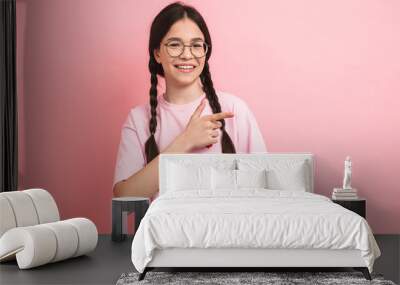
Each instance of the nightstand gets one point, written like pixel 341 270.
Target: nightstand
pixel 121 208
pixel 358 206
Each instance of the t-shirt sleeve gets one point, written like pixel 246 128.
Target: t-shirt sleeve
pixel 130 157
pixel 250 138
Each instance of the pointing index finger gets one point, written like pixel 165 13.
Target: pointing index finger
pixel 220 116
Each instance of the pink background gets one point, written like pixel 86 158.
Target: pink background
pixel 320 76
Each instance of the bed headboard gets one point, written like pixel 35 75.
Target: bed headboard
pixel 232 158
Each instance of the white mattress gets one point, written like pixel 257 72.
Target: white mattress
pixel 250 218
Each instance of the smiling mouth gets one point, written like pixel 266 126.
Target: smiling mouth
pixel 185 68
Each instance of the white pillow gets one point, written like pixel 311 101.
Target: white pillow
pixel 229 179
pixel 282 174
pixel 294 179
pixel 188 177
pixel 223 179
pixel 251 178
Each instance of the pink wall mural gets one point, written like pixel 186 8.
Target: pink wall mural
pixel 320 77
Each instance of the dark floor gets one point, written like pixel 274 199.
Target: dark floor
pixel 111 259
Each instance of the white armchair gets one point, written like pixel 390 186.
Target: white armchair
pixel 31 231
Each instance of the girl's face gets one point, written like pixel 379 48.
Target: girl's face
pixel 185 68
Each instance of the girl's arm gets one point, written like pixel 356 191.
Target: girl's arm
pixel 200 132
pixel 143 182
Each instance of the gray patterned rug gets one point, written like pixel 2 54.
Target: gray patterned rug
pixel 269 278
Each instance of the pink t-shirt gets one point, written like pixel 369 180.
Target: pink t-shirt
pixel 172 120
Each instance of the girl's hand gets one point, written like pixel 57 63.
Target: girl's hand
pixel 203 131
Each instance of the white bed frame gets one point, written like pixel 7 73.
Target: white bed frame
pixel 250 257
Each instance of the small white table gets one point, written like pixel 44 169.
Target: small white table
pixel 121 208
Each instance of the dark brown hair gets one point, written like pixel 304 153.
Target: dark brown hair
pixel 159 28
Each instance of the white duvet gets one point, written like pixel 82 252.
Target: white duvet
pixel 250 218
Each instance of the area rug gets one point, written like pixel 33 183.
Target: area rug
pixel 269 278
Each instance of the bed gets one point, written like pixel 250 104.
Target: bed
pixel 247 210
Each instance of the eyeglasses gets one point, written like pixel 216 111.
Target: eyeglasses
pixel 175 48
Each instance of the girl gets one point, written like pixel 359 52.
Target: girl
pixel 187 117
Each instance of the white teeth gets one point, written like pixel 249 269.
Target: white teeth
pixel 185 66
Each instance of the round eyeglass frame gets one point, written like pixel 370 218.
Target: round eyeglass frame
pixel 190 48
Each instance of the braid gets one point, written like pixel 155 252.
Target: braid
pixel 151 148
pixel 208 87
